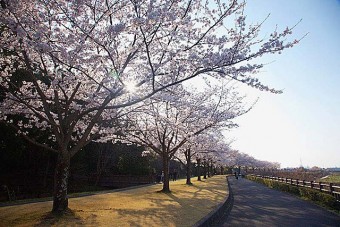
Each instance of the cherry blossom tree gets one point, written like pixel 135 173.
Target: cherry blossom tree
pixel 172 118
pixel 234 158
pixel 209 144
pixel 80 63
pixel 222 101
pixel 215 153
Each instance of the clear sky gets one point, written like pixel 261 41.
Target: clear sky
pixel 303 123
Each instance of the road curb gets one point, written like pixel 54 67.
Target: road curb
pixel 220 213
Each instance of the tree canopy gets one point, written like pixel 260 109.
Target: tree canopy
pixel 81 63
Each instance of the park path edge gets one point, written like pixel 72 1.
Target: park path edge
pixel 220 213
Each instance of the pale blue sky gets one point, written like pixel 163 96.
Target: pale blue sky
pixel 303 122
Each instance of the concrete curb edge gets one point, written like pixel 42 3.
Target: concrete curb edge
pixel 220 213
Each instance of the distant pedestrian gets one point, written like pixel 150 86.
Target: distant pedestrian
pixel 236 175
pixel 162 177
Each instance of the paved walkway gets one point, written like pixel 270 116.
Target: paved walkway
pixel 258 205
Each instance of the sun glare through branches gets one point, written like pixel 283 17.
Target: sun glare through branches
pixel 130 86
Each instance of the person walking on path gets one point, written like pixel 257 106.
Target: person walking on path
pixel 162 177
pixel 257 205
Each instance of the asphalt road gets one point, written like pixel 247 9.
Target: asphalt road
pixel 258 205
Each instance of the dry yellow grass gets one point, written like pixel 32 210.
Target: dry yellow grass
pixel 143 206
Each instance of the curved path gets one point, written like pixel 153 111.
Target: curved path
pixel 258 205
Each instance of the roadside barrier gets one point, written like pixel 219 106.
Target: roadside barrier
pixel 330 188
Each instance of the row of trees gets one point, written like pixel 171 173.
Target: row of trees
pixel 27 172
pixel 105 70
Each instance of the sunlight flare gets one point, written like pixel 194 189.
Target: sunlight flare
pixel 131 86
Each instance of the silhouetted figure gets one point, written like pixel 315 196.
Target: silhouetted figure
pixel 236 176
pixel 162 177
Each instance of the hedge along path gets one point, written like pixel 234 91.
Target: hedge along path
pixel 143 206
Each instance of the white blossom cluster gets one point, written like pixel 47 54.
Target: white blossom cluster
pixel 69 66
pixel 172 122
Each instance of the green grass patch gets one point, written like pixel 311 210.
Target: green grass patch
pixel 334 178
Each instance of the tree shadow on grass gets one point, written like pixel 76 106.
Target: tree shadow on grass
pixel 150 216
pixel 164 212
pixel 215 192
pixel 178 208
pixel 69 216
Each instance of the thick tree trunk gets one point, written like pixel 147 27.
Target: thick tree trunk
pixel 198 160
pixel 166 186
pixel 204 170
pixel 188 166
pixel 208 169
pixel 60 199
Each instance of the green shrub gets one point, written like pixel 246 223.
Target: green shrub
pixel 309 194
pixel 260 180
pixel 329 201
pixel 320 197
pixel 294 190
pixel 276 185
pixel 284 187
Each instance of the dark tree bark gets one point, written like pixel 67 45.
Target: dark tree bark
pixel 204 169
pixel 222 170
pixel 166 186
pixel 208 170
pixel 60 198
pixel 3 4
pixel 211 168
pixel 188 166
pixel 198 160
pixel 208 167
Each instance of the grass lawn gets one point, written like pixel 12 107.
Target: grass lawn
pixel 334 178
pixel 143 206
